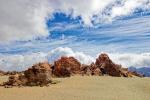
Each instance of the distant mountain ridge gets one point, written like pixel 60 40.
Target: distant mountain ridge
pixel 143 70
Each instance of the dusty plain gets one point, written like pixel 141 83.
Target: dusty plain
pixel 82 88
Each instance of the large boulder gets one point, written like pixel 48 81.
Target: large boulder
pixel 66 66
pixel 107 66
pixel 38 74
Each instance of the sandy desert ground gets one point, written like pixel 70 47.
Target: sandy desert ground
pixel 83 88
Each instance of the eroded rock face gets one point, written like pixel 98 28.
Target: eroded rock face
pixel 38 74
pixel 85 70
pixel 41 73
pixel 66 66
pixel 90 70
pixel 108 67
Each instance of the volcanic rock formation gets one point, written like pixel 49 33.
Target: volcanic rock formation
pixel 66 66
pixel 38 74
pixel 41 73
pixel 90 70
pixel 108 67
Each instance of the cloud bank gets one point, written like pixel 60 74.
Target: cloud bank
pixel 58 52
pixel 26 19
pixel 22 20
pixel 22 62
pixel 132 60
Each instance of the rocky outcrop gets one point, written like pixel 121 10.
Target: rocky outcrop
pixel 38 74
pixel 90 70
pixel 105 64
pixel 66 66
pixel 41 73
pixel 85 70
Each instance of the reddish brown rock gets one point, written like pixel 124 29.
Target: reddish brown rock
pixel 66 66
pixel 97 72
pixel 90 70
pixel 85 70
pixel 38 74
pixel 107 66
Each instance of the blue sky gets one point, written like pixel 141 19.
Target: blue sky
pixel 74 28
pixel 126 34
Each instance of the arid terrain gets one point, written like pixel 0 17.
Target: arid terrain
pixel 82 88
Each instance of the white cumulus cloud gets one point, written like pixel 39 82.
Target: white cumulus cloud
pixel 131 59
pixel 21 62
pixel 23 19
pixel 26 19
pixel 58 52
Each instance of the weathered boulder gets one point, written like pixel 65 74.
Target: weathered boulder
pixel 66 66
pixel 107 66
pixel 90 70
pixel 85 69
pixel 38 74
pixel 95 70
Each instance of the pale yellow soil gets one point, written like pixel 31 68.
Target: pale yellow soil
pixel 83 88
